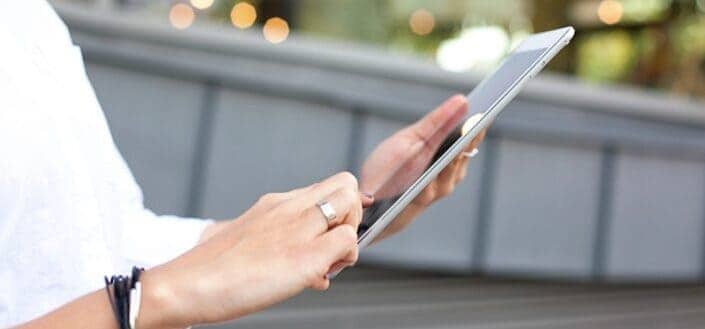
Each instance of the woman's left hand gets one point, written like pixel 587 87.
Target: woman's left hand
pixel 414 146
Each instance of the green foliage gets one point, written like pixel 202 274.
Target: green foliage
pixel 606 57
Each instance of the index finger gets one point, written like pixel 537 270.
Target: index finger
pixel 320 190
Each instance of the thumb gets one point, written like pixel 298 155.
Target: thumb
pixel 443 119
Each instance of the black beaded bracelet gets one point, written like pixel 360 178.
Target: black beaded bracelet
pixel 121 292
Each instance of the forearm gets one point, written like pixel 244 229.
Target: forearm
pixel 93 311
pixel 90 311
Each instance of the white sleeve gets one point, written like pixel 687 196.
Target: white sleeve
pixel 149 239
pixel 142 237
pixel 146 239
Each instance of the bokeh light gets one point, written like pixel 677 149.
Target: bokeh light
pixel 610 12
pixel 243 15
pixel 476 48
pixel 421 22
pixel 202 4
pixel 606 57
pixel 181 16
pixel 664 49
pixel 275 30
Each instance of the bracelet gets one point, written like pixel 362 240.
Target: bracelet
pixel 125 294
pixel 135 296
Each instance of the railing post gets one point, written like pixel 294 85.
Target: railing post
pixel 600 245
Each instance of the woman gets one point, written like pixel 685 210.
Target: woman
pixel 71 212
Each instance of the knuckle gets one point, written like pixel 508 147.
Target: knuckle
pixel 321 285
pixel 319 273
pixel 313 270
pixel 351 196
pixel 447 190
pixel 348 234
pixel 348 179
pixel 356 216
pixel 297 212
pixel 290 209
pixel 357 219
pixel 266 198
pixel 428 195
pixel 355 254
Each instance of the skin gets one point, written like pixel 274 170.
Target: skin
pixel 414 146
pixel 280 246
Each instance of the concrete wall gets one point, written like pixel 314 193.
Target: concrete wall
pixel 574 181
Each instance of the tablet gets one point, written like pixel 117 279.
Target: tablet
pixel 489 98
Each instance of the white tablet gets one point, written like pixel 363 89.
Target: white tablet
pixel 489 98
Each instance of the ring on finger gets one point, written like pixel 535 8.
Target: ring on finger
pixel 327 210
pixel 471 154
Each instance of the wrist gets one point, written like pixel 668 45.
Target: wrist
pixel 161 302
pixel 212 229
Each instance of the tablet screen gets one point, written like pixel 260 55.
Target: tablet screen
pixel 482 99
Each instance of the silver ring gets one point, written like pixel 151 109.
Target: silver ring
pixel 327 210
pixel 471 154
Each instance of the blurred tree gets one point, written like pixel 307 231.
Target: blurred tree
pixel 652 43
pixel 361 20
pixel 606 56
pixel 552 14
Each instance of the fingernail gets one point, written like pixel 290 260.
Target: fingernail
pixel 367 200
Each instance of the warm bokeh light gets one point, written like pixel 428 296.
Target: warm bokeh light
pixel 276 30
pixel 421 22
pixel 476 48
pixel 202 4
pixel 181 16
pixel 243 15
pixel 610 12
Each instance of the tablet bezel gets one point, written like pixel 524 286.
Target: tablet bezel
pixel 553 41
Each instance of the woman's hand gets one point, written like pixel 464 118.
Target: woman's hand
pixel 441 187
pixel 414 147
pixel 277 248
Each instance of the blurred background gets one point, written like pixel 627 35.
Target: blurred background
pixel 656 44
pixel 585 207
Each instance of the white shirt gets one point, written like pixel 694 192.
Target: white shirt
pixel 70 210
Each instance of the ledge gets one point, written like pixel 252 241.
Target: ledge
pixel 358 59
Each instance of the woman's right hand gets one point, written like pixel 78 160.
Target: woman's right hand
pixel 277 248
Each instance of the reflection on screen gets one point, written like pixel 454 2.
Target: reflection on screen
pixel 481 99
